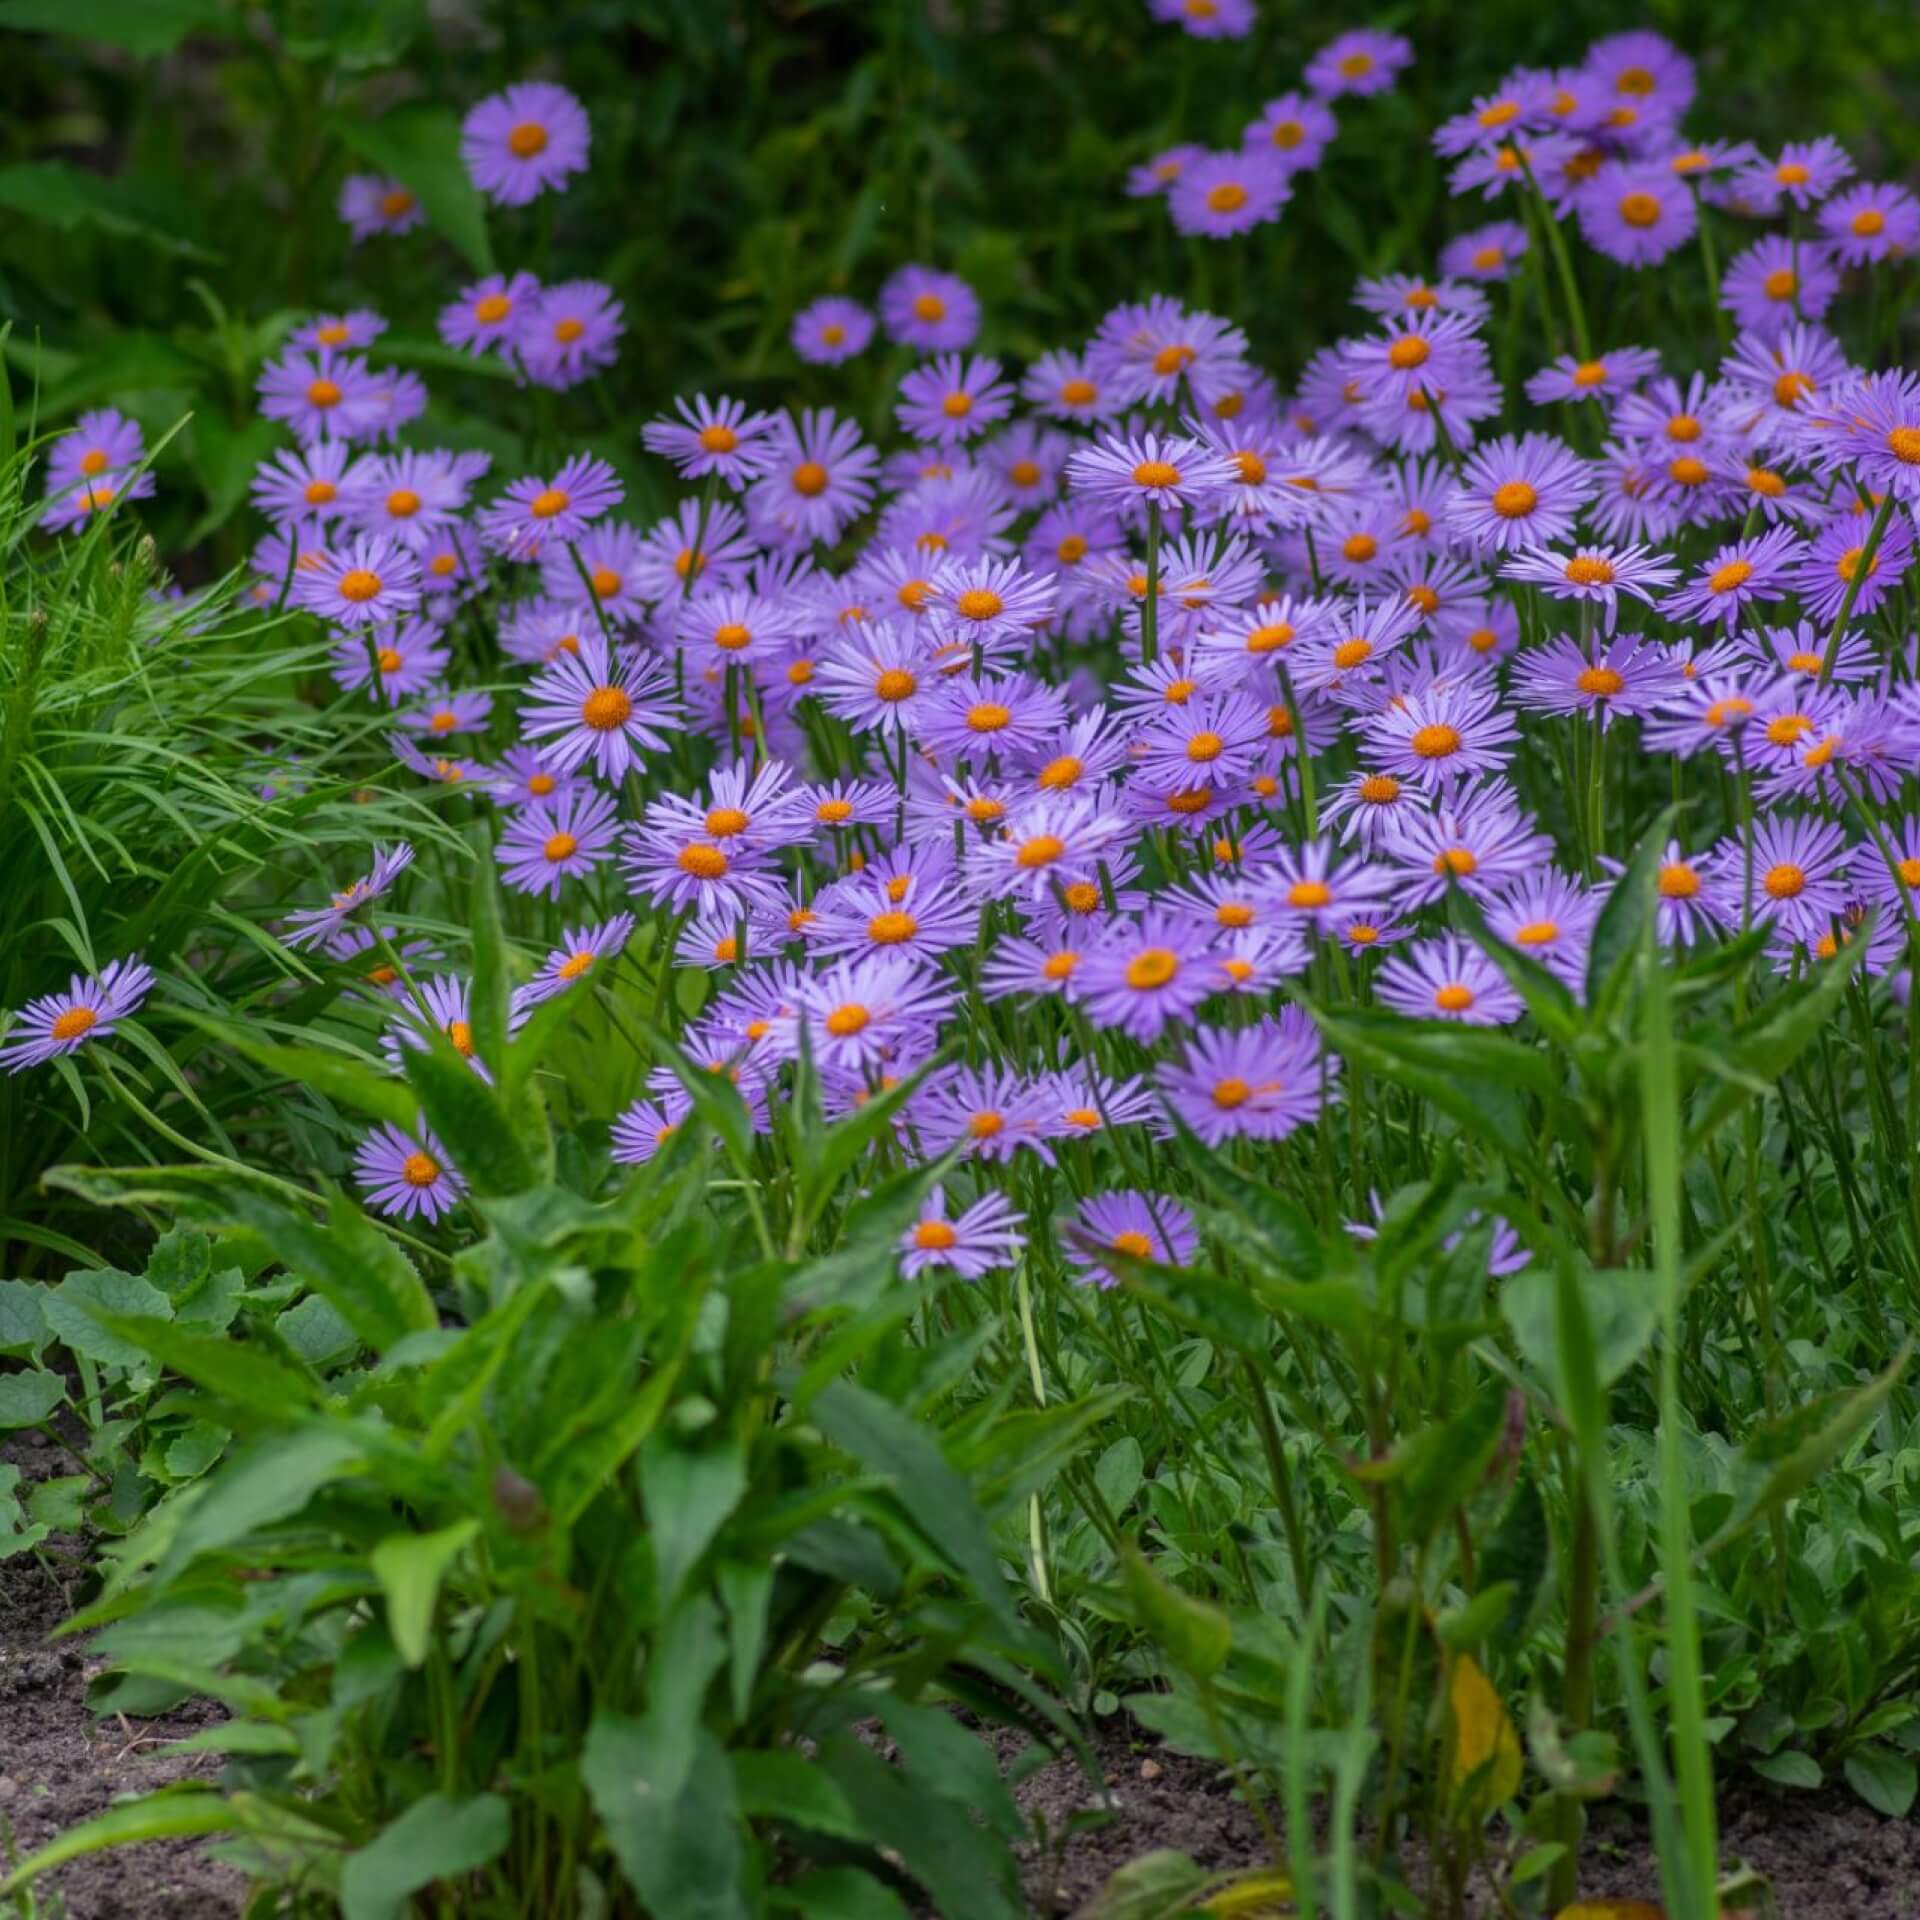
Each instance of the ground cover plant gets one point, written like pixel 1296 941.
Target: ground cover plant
pixel 731 1105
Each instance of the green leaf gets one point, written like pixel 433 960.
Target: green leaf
pixel 143 28
pixel 1517 1556
pixel 235 1372
pixel 678 1840
pixel 935 1497
pixel 690 1491
pixel 1884 1779
pixel 23 1327
pixel 1451 1459
pixel 68 199
pixel 266 1480
pixel 1269 1229
pixel 1118 1474
pixel 316 1332
pixel 783 1785
pixel 469 1117
pixel 28 1398
pixel 74 1309
pixel 837 1893
pixel 166 1815
pixel 348 1262
pixel 1193 1634
pixel 1623 919
pixel 1622 1310
pixel 437 1838
pixel 420 147
pixel 1552 1006
pixel 350 1079
pixel 410 1568
pixel 1157 1886
pixel 1790 1769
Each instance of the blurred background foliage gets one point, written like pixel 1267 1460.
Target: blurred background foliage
pixel 169 172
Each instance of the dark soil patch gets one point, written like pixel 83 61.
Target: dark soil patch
pixel 1828 1857
pixel 60 1765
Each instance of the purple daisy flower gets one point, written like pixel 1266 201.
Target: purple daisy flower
pixel 569 332
pixel 1549 917
pixel 877 677
pixel 1141 977
pixel 408 495
pixel 1364 61
pixel 1828 568
pixel 1642 66
pixel 1605 679
pixel 448 1009
pixel 1876 428
pixel 373 582
pixel 871 914
pixel 313 925
pixel 533 512
pixel 1800 876
pixel 580 952
pixel 1147 351
pixel 1481 839
pixel 1870 223
pixel 1736 579
pixel 1058 840
pixel 862 1011
pixel 1140 1226
pixel 402 661
pixel 563 838
pixel 370 203
pixel 77 506
pixel 588 706
pixel 1521 492
pixel 831 330
pixel 404 1176
pixel 1806 172
pixel 952 399
pixel 1599 574
pixel 1636 214
pixel 61 1023
pixel 928 310
pixel 361 328
pixel 1170 471
pixel 1222 194
pixel 647 1126
pixel 100 442
pixel 488 316
pixel 1062 385
pixel 1605 377
pixel 1157 175
pixel 1802 650
pixel 986 1235
pixel 1207 19
pixel 1448 979
pixel 1774 283
pixel 322 396
pixel 1487 253
pixel 709 438
pixel 1296 129
pixel 989 1112
pixel 1255 1083
pixel 1434 739
pixel 613 563
pixel 523 142
pixel 819 481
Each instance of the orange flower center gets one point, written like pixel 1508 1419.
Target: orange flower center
pixel 1309 894
pixel 810 478
pixel 1514 500
pixel 1786 881
pixel 548 502
pixel 1408 352
pixel 606 708
pixel 1059 773
pixel 1040 851
pixel 1453 999
pixel 359 585
pixel 896 684
pixel 492 309
pixel 718 438
pixel 323 393
pixel 560 846
pixel 1602 682
pixel 419 1170
pixel 1590 373
pixel 1152 967
pixel 1078 393
pixel 701 861
pixel 1228 197
pixel 1678 881
pixel 1780 284
pixel 1156 473
pixel 929 307
pixel 979 603
pixel 1589 570
pixel 403 503
pixel 1639 209
pixel 75 1021
pixel 1435 742
pixel 396 202
pixel 935 1236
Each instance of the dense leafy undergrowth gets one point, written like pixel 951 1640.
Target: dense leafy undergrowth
pixel 1098 1030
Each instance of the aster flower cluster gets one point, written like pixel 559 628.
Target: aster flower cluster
pixel 1031 758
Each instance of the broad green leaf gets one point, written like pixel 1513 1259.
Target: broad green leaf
pixel 1517 1557
pixel 1883 1778
pixel 437 1838
pixel 315 1330
pixel 268 1479
pixel 420 147
pixel 891 1444
pixel 347 1078
pixel 1791 1768
pixel 1157 1886
pixel 1270 1229
pixel 410 1568
pixel 68 199
pixel 1118 1474
pixel 1193 1634
pixel 143 28
pixel 1454 1458
pixel 28 1398
pixel 75 1309
pixel 23 1327
pixel 1622 1309
pixel 237 1373
pixel 837 1893
pixel 691 1491
pixel 783 1785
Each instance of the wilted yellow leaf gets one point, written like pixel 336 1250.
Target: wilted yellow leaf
pixel 1483 1736
pixel 1251 1896
pixel 1611 1910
